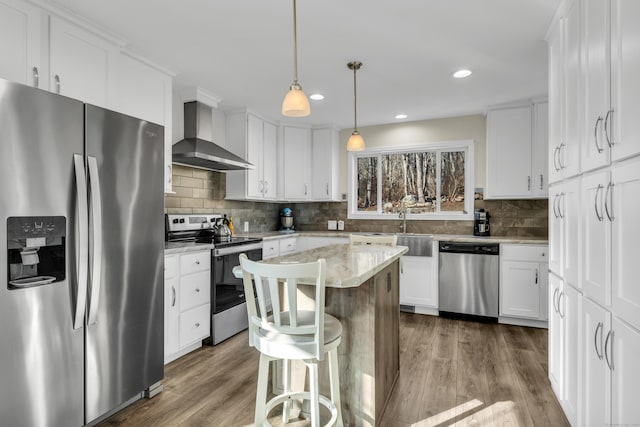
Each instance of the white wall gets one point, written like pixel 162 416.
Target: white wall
pixel 425 131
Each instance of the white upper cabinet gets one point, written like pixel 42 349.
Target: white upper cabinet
pixel 516 152
pixel 255 140
pixel 296 154
pixel 324 168
pixel 20 43
pixel 509 152
pixel 595 53
pixel 612 84
pixel 539 175
pixel 564 95
pixel 625 78
pixel 82 64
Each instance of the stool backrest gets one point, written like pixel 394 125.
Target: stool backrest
pixel 282 281
pixel 372 240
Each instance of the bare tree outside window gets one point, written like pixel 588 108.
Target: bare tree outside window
pixel 452 181
pixel 409 181
pixel 368 184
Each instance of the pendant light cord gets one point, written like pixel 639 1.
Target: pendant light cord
pixel 355 108
pixel 295 44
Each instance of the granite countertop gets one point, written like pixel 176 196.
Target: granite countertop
pixel 184 247
pixel 438 237
pixel 347 266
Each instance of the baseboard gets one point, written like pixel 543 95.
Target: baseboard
pixel 523 322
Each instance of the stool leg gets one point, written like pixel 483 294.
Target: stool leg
pixel 261 392
pixel 313 388
pixel 286 382
pixel 334 381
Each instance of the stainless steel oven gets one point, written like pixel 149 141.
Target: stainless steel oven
pixel 228 305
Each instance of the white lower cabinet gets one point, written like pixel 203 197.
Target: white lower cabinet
pixel 570 306
pixel 187 302
pixel 556 337
pixel 624 352
pixel 523 282
pixel 419 282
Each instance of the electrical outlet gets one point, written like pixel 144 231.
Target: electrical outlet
pixel 332 225
pixel 246 226
pixel 341 225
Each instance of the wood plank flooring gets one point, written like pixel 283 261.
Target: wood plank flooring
pixel 452 372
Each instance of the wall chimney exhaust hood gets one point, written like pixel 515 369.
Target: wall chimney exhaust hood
pixel 197 148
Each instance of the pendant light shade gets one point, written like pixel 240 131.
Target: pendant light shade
pixel 296 103
pixel 356 142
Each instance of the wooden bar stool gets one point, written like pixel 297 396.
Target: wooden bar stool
pixel 291 334
pixel 355 239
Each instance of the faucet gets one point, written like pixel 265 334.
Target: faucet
pixel 403 216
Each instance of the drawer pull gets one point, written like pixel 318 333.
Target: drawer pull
pixel 197 325
pixel 197 289
pixel 197 262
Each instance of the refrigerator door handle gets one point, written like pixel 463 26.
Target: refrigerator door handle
pixel 96 253
pixel 83 240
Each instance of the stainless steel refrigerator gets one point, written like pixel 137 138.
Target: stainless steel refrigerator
pixel 81 262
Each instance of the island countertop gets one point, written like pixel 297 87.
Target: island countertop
pixel 347 266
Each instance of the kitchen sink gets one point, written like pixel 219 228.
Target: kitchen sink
pixel 418 244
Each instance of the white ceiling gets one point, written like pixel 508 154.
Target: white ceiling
pixel 242 51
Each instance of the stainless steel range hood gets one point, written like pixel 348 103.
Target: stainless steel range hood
pixel 197 148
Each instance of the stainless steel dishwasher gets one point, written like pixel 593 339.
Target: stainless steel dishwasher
pixel 468 279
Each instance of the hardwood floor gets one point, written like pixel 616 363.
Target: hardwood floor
pixel 452 372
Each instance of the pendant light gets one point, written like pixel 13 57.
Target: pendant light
pixel 356 142
pixel 296 103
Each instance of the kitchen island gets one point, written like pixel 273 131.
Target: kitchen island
pixel 363 293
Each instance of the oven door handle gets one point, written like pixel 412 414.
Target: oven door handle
pixel 238 249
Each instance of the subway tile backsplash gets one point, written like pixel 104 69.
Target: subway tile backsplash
pixel 200 191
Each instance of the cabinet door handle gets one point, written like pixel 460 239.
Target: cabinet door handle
pixel 606 127
pixel 305 189
pixel 595 203
pixel 56 79
pixel 197 289
pixel 541 182
pixel 606 202
pixel 266 187
pixel 401 267
pixel 261 187
pixel 595 134
pixel 170 174
pixel 555 307
pixel 197 324
pixel 529 183
pixel 555 159
pixel 36 77
pixel 197 262
pixel 560 150
pixel 560 296
pixel 173 296
pixel 560 204
pixel 555 205
pixel 536 276
pixel 606 353
pixel 595 339
pixel 327 189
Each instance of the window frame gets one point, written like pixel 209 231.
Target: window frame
pixel 467 146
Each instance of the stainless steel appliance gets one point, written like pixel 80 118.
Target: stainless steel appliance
pixel 481 223
pixel 228 304
pixel 468 279
pixel 81 266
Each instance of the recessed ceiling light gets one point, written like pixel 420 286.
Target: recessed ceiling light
pixel 401 116
pixel 461 74
pixel 317 96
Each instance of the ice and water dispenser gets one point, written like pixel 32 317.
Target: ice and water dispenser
pixel 35 250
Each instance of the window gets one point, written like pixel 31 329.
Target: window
pixel 430 181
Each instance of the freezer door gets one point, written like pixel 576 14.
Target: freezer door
pixel 41 354
pixel 124 345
